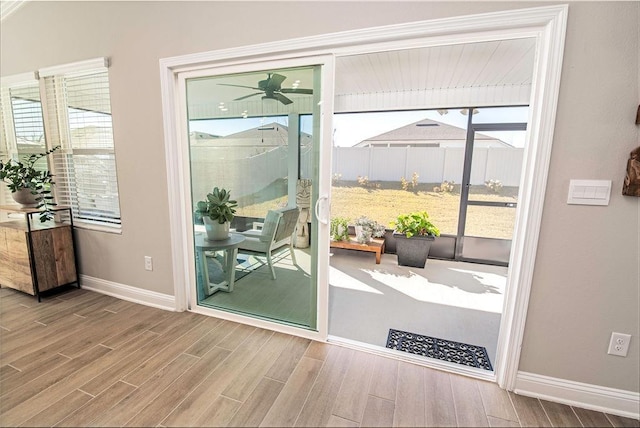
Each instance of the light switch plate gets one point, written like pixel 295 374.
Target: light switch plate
pixel 589 192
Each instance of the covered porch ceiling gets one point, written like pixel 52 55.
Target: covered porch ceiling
pixel 462 75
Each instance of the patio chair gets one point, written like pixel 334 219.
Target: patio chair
pixel 274 233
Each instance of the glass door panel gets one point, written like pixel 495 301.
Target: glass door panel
pixel 377 173
pixel 494 165
pixel 490 221
pixel 247 136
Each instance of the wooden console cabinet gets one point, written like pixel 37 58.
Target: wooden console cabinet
pixel 36 257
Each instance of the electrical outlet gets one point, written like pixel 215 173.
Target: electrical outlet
pixel 619 344
pixel 148 263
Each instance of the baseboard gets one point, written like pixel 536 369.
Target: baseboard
pixel 600 398
pixel 129 293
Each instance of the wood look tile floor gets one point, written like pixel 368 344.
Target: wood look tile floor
pixel 85 359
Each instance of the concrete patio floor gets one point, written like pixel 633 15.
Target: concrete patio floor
pixel 450 300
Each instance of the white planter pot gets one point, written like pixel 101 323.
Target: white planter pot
pixel 216 231
pixel 25 198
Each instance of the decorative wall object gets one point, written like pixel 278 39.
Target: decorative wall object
pixel 631 186
pixel 303 200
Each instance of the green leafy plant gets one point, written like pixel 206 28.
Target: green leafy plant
pixel 218 206
pixel 22 175
pixel 415 224
pixel 339 229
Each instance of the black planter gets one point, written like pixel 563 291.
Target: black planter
pixel 413 251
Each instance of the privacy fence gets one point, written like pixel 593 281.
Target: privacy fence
pixel 432 164
pixel 243 170
pixel 247 172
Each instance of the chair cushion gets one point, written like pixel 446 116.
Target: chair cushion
pixel 253 243
pixel 254 233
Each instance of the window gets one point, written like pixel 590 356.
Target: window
pixel 76 109
pixel 21 123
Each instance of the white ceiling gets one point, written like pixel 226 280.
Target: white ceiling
pixel 498 63
pixel 473 74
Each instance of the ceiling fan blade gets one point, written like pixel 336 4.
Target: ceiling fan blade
pixel 239 86
pixel 296 91
pixel 284 100
pixel 247 96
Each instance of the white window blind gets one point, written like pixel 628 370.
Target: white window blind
pixel 78 111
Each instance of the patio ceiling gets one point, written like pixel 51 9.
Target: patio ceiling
pixel 473 74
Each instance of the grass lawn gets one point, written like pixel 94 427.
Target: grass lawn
pixel 383 201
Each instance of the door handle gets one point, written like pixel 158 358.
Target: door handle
pixel 320 218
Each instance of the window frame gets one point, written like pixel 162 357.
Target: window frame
pixel 56 123
pixel 8 142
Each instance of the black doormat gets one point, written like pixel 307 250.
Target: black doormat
pixel 445 350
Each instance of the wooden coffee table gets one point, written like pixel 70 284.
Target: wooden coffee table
pixel 375 246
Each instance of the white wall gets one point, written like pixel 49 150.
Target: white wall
pixel 586 276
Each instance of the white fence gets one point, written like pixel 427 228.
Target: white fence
pixel 241 169
pixel 432 164
pixel 246 174
pixel 212 167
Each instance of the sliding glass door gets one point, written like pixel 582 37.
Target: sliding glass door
pixel 257 136
pixel 490 184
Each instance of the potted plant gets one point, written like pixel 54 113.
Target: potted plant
pixel 29 187
pixel 339 229
pixel 366 228
pixel 217 211
pixel 414 233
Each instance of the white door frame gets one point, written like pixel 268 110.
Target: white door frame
pixel 184 292
pixel 547 24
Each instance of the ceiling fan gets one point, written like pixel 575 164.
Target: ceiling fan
pixel 272 89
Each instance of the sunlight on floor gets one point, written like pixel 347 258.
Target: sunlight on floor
pixel 458 301
pixel 337 278
pixel 419 288
pixel 449 283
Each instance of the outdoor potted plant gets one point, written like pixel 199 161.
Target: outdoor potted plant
pixel 217 211
pixel 366 229
pixel 29 187
pixel 339 229
pixel 414 234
